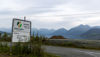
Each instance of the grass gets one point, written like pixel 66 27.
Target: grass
pixel 28 49
pixel 7 55
pixel 84 44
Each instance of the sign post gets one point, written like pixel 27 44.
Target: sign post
pixel 21 30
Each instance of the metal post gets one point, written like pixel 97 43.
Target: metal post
pixel 24 17
pixel 11 38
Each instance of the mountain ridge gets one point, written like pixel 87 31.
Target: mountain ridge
pixel 77 32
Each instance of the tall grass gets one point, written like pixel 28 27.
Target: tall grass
pixel 28 49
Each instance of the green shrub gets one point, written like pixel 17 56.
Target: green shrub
pixel 28 49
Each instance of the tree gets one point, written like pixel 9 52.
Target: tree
pixel 37 36
pixel 33 35
pixel 5 35
pixel 0 35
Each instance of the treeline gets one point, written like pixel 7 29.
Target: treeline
pixel 5 37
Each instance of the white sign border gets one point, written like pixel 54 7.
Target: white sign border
pixel 20 20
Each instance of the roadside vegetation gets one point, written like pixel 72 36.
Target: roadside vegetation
pixel 29 49
pixel 84 44
pixel 5 37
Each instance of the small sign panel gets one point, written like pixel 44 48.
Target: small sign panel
pixel 21 30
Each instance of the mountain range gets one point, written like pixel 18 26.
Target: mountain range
pixel 93 33
pixel 61 31
pixel 78 32
pixel 1 32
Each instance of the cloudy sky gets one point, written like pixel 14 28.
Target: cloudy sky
pixel 51 14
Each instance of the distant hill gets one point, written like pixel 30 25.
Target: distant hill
pixel 93 33
pixel 8 30
pixel 79 30
pixel 75 32
pixel 1 32
pixel 45 31
pixel 33 30
pixel 61 31
pixel 57 37
pixel 4 32
pixel 96 27
pixel 42 31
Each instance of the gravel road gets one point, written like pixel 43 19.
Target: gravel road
pixel 72 52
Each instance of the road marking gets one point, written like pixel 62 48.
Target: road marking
pixel 91 53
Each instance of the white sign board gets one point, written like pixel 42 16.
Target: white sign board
pixel 21 30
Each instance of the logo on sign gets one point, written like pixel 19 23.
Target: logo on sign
pixel 19 24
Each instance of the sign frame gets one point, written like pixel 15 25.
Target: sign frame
pixel 13 26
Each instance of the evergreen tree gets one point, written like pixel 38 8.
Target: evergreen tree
pixel 0 35
pixel 33 35
pixel 5 35
pixel 37 37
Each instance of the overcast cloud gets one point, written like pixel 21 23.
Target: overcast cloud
pixel 51 14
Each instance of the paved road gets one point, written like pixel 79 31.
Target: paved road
pixel 72 52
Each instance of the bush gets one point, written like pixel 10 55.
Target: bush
pixel 29 49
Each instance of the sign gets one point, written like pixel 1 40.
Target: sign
pixel 21 30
